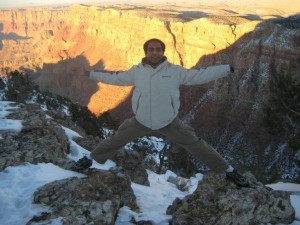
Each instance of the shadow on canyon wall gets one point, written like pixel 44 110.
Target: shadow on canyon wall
pixel 190 95
pixel 277 51
pixel 66 78
pixel 9 36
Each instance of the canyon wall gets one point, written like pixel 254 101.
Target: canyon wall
pixel 226 113
pixel 44 42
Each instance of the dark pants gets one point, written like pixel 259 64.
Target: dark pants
pixel 177 132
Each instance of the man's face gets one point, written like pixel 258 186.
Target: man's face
pixel 154 52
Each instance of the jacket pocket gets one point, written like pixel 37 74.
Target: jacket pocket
pixel 167 107
pixel 135 100
pixel 175 102
pixel 173 105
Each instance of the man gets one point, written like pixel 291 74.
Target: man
pixel 155 103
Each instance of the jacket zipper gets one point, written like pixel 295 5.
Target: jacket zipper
pixel 151 102
pixel 151 76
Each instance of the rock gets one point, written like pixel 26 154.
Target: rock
pixel 133 164
pixel 40 140
pixel 183 184
pixel 220 202
pixel 129 161
pixel 297 156
pixel 89 142
pixel 143 222
pixel 2 84
pixel 94 199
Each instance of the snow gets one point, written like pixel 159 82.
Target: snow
pixel 295 198
pixel 65 109
pixel 154 200
pixel 33 99
pixel 8 124
pixel 18 184
pixel 280 186
pixel 158 143
pixel 11 125
pixel 5 108
pixel 150 141
pixel 70 133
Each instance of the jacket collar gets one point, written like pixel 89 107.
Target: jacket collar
pixel 145 62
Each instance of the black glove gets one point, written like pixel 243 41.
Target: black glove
pixel 231 69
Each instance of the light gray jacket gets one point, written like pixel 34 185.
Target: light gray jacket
pixel 155 99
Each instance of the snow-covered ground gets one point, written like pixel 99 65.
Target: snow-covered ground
pixel 17 185
pixel 7 124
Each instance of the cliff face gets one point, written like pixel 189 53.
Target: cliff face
pixel 103 38
pixel 227 114
pixel 230 113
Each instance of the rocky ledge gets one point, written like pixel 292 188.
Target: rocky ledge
pixel 218 201
pixel 97 197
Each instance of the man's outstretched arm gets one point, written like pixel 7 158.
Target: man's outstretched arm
pixel 205 75
pixel 121 78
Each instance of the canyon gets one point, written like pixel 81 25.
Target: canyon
pixel 47 42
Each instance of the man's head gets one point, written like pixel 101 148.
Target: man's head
pixel 154 50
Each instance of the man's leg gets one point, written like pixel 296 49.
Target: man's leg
pixel 129 130
pixel 185 136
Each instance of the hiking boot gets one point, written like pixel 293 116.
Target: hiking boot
pixel 237 178
pixel 82 164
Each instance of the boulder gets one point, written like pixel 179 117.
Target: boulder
pixel 220 202
pixel 94 199
pixel 40 140
pixel 133 164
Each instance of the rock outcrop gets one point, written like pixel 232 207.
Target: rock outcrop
pixel 41 140
pixel 133 164
pixel 218 201
pixel 97 197
pixel 129 161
